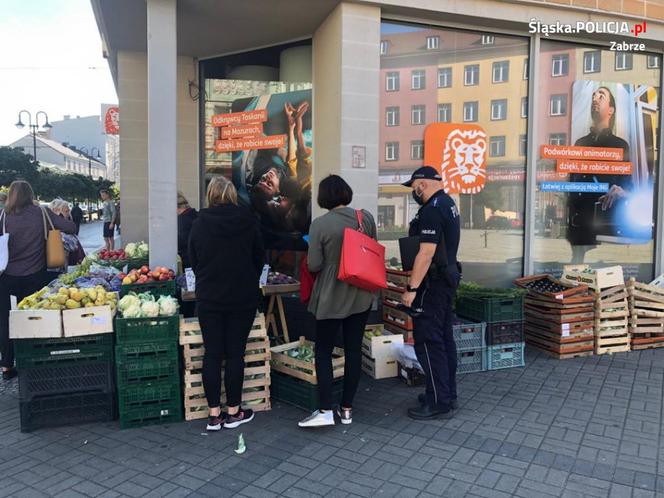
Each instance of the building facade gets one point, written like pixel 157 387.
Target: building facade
pixel 379 73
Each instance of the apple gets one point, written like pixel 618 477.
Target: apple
pixel 122 275
pixel 156 273
pixel 163 277
pixel 145 270
pixel 142 280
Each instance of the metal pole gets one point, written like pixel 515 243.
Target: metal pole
pixel 89 167
pixel 34 142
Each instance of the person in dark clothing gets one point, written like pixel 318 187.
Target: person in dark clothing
pixel 77 216
pixel 26 269
pixel 186 217
pixel 582 234
pixel 431 289
pixel 226 254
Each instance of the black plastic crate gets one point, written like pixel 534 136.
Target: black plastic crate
pixel 504 332
pixel 31 352
pixel 66 409
pixel 161 368
pixel 65 379
pixel 142 330
pixel 151 415
pixel 490 309
pixel 299 393
pixel 64 359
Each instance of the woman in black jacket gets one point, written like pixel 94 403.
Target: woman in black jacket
pixel 226 253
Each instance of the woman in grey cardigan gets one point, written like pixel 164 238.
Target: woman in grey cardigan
pixel 336 304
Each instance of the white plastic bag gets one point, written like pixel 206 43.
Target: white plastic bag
pixel 405 354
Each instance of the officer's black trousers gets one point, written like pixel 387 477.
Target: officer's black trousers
pixel 434 342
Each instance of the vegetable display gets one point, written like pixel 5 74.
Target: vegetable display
pixel 304 353
pixel 368 334
pixel 137 250
pixel 276 278
pixel 145 305
pixel 115 255
pixel 69 298
pixel 145 275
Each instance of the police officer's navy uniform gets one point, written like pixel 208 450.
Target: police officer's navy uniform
pixel 438 220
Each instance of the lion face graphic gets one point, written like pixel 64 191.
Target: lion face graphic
pixel 464 166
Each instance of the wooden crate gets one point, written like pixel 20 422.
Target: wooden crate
pixel 596 279
pixel 258 349
pixel 255 391
pixel 395 329
pixel 300 369
pixel 391 297
pixel 611 341
pixel 561 337
pixel 562 351
pixel 647 341
pixel 190 329
pixel 646 307
pixel 569 291
pixel 380 368
pixel 380 346
pixel 397 280
pixel 397 317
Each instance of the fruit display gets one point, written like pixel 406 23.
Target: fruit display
pixel 144 275
pixel 90 275
pixel 276 278
pixel 116 255
pixel 69 298
pixel 368 334
pixel 81 270
pixel 146 306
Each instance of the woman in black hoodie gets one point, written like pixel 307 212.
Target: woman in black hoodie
pixel 226 253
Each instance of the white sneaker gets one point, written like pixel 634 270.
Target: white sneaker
pixel 318 419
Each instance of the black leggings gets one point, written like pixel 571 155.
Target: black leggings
pixel 225 337
pixel 326 332
pixel 19 287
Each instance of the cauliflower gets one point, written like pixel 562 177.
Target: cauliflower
pixel 130 249
pixel 142 250
pixel 150 309
pixel 129 300
pixel 133 311
pixel 168 305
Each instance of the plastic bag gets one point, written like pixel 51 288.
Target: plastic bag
pixel 405 354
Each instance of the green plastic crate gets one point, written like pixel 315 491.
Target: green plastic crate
pixel 506 356
pixel 299 393
pixel 73 358
pixel 490 309
pixel 159 368
pixel 151 415
pixel 148 351
pixel 165 288
pixel 36 352
pixel 163 392
pixel 471 360
pixel 142 330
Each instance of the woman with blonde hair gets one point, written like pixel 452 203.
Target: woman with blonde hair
pixel 73 247
pixel 226 254
pixel 26 270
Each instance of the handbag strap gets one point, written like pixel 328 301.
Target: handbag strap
pixel 3 215
pixel 50 222
pixel 358 213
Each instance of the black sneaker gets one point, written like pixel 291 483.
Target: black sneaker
pixel 425 412
pixel 241 417
pixel 215 423
pixel 422 398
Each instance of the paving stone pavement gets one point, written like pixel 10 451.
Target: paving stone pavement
pixel 574 428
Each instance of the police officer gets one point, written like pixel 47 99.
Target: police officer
pixel 431 290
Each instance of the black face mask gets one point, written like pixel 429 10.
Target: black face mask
pixel 417 198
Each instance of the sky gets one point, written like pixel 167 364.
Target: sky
pixel 50 60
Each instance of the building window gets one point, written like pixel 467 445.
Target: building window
pixel 417 149
pixel 653 61
pixel 444 77
pixel 471 75
pixel 383 47
pixel 525 69
pixel 418 79
pixel 524 107
pixel 523 145
pixel 392 116
pixel 417 114
pixel 624 61
pixel 560 65
pixel 592 61
pixel 433 42
pixel 444 113
pixel 501 71
pixel 488 39
pixel 470 111
pixel 392 151
pixel 392 81
pixel 497 146
pixel 558 139
pixel 498 110
pixel 558 105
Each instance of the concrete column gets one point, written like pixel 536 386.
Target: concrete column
pixel 346 71
pixel 162 135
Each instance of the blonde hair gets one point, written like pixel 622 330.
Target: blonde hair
pixel 20 195
pixel 221 191
pixel 57 205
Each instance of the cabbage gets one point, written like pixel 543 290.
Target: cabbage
pixel 128 301
pixel 133 311
pixel 142 250
pixel 168 305
pixel 130 249
pixel 150 309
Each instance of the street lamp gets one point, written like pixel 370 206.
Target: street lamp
pixel 88 154
pixel 33 128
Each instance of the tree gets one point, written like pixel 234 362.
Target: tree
pixel 15 165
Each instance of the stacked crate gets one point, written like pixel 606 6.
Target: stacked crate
pixel 378 358
pixel 65 381
pixel 147 365
pixel 395 320
pixel 256 385
pixel 559 318
pixel 503 314
pixel 611 320
pixel 470 345
pixel 646 315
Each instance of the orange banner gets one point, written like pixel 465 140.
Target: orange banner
pixel 232 145
pixel 594 167
pixel 252 130
pixel 575 152
pixel 240 118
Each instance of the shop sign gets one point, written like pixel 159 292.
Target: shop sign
pixel 112 121
pixel 459 152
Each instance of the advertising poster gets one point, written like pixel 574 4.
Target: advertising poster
pixel 270 139
pixel 611 164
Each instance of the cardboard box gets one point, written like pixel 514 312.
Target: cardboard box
pixel 87 321
pixel 597 279
pixel 380 368
pixel 35 324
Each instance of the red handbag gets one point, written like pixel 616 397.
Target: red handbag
pixel 362 261
pixel 307 281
